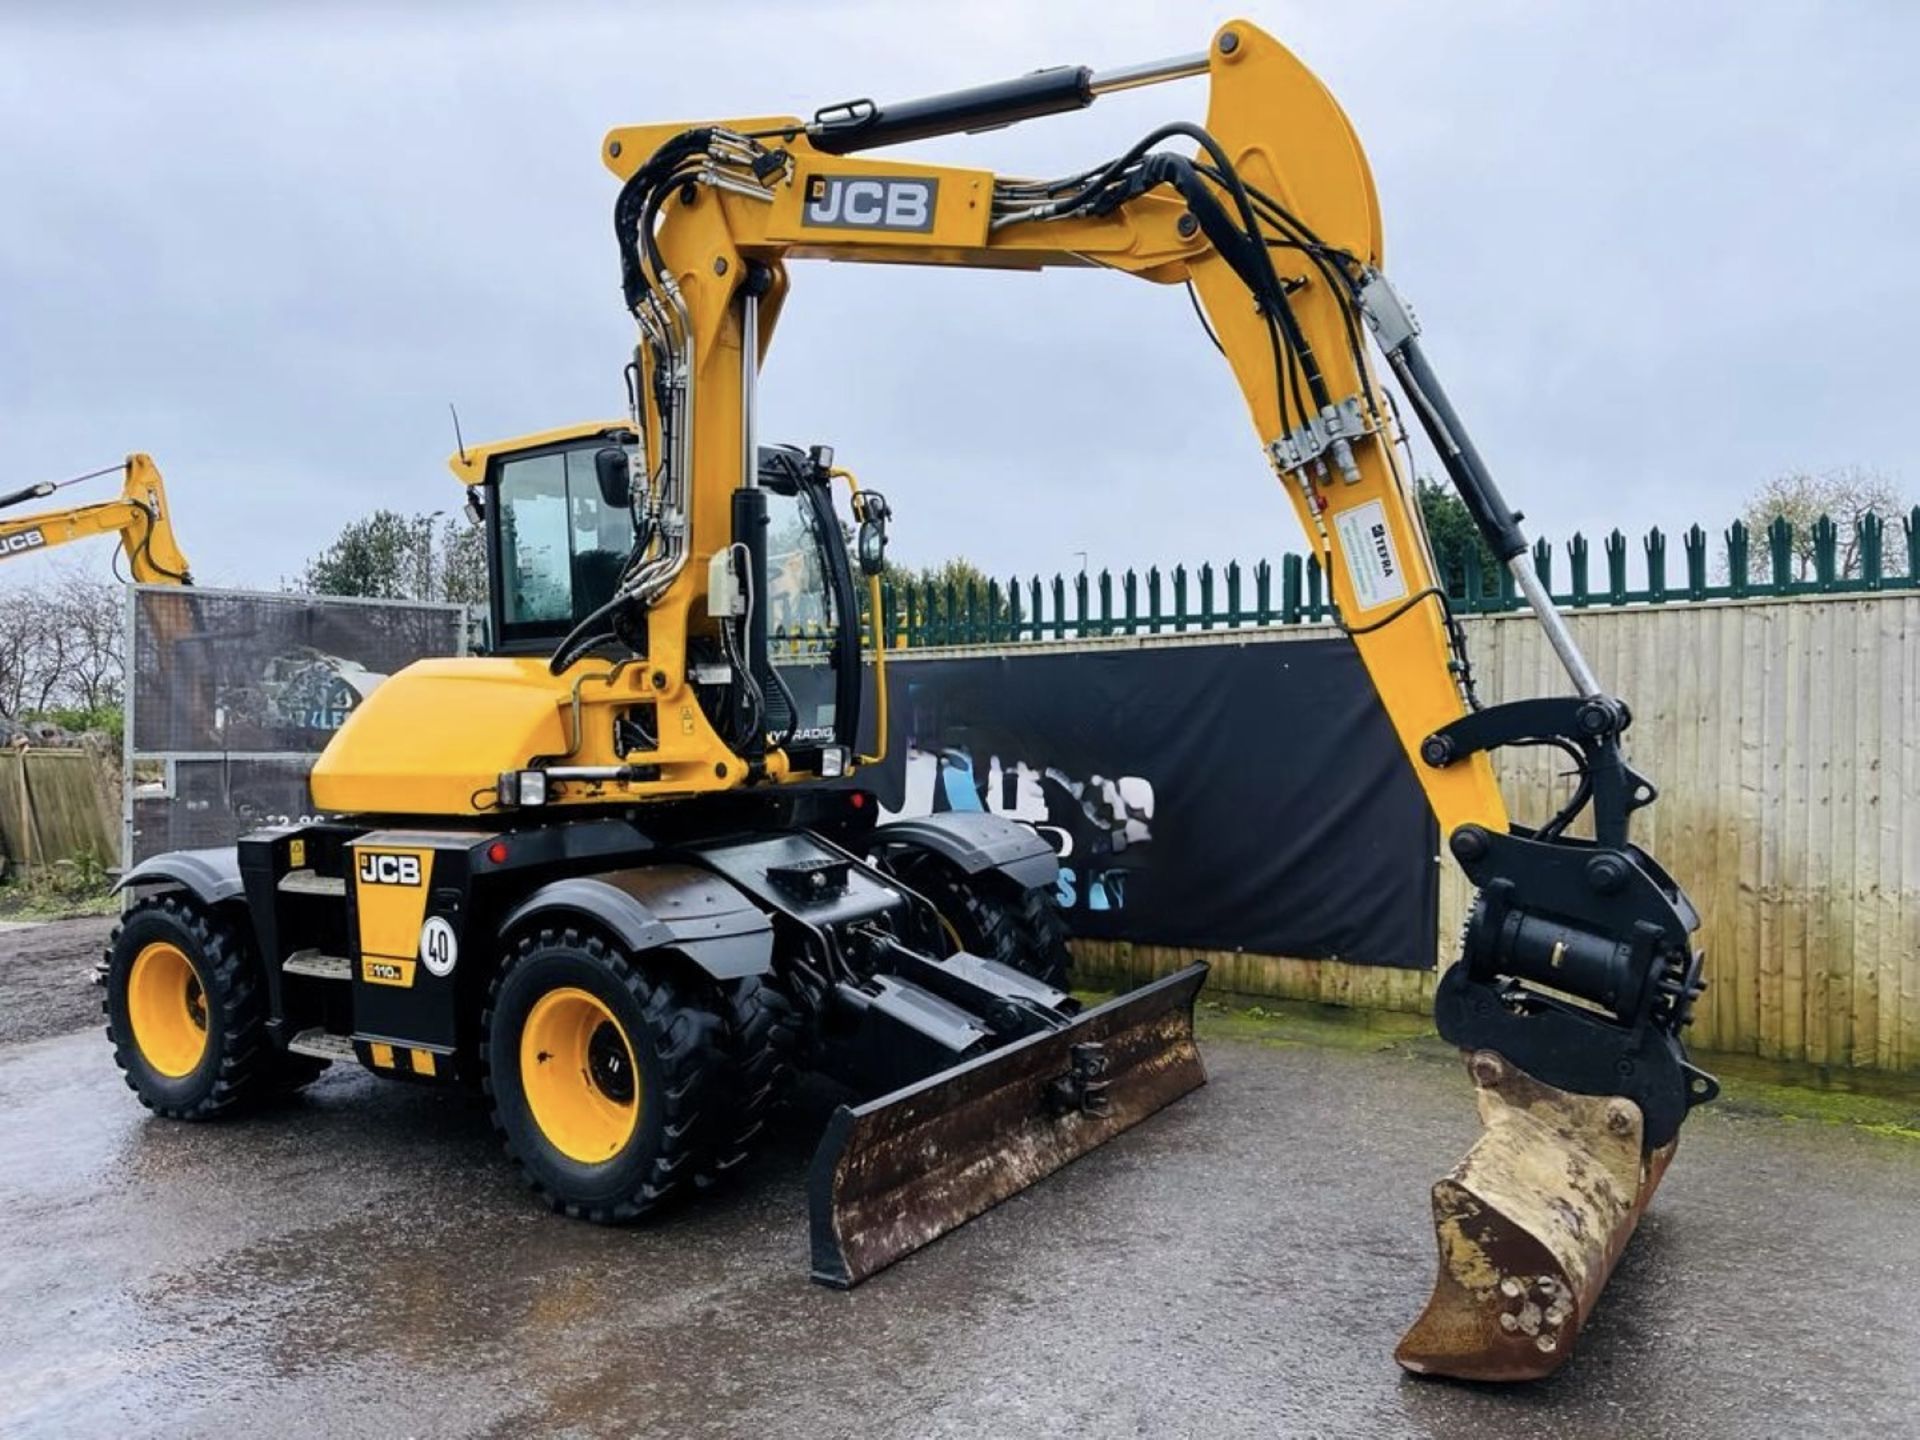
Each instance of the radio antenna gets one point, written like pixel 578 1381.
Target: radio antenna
pixel 458 442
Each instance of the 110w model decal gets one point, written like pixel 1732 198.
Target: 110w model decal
pixel 866 202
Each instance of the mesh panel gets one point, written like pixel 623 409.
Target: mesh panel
pixel 242 690
pixel 214 802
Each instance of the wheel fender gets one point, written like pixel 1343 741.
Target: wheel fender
pixel 212 876
pixel 649 907
pixel 978 841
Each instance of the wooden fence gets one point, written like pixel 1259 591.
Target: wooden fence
pixel 55 806
pixel 1784 735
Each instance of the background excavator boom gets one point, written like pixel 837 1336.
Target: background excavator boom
pixel 139 516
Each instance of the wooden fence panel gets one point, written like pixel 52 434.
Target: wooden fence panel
pixel 54 807
pixel 1785 738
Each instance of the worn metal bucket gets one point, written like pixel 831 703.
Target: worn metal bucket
pixel 898 1172
pixel 1530 1225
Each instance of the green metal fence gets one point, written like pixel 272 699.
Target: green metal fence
pixel 1233 596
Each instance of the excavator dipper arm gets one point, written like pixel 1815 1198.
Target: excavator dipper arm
pixel 1577 972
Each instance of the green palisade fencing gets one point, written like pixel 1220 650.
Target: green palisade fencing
pixel 1879 554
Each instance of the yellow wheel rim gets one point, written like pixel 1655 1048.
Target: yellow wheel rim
pixel 167 1009
pixel 577 1072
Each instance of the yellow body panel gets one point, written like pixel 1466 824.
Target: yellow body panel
pixel 390 885
pixel 434 739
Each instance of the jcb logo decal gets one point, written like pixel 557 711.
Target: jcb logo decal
pixel 379 869
pixel 26 540
pixel 858 202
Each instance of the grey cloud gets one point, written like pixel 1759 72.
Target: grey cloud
pixel 1658 250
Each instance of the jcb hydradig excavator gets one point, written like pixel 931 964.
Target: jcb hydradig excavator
pixel 594 872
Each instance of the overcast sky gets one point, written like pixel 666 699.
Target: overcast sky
pixel 1661 251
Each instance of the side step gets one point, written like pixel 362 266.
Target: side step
pixel 305 882
pixel 899 1172
pixel 318 965
pixel 323 1045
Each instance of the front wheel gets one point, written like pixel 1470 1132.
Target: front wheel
pixel 601 1074
pixel 184 1009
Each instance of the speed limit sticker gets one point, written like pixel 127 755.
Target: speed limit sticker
pixel 439 948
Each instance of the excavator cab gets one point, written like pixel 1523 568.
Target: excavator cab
pixel 555 538
pixel 562 517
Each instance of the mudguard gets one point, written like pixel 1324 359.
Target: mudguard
pixel 694 911
pixel 212 875
pixel 976 841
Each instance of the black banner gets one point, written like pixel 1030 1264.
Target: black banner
pixel 1226 797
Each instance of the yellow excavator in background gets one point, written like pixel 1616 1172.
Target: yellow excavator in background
pixel 139 516
pixel 594 872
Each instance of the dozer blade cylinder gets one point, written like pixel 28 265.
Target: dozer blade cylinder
pixel 898 1172
pixel 1530 1225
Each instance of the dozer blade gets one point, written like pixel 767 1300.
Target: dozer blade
pixel 898 1172
pixel 1530 1225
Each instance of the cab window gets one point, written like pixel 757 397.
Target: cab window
pixel 560 547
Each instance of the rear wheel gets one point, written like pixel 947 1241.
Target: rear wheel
pixel 762 1032
pixel 602 1075
pixel 988 914
pixel 184 1010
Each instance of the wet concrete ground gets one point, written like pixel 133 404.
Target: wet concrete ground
pixel 362 1261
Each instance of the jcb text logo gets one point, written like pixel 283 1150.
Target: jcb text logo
pixel 379 869
pixel 862 203
pixel 26 540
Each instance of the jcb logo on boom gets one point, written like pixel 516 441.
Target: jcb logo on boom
pixel 26 540
pixel 378 869
pixel 859 202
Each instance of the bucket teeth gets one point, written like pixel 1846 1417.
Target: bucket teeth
pixel 1530 1225
pixel 899 1172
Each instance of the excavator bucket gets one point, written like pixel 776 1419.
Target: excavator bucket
pixel 1530 1225
pixel 898 1172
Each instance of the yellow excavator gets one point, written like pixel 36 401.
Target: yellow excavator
pixel 139 516
pixel 620 873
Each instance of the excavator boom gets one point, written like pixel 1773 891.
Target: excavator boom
pixel 1577 973
pixel 139 516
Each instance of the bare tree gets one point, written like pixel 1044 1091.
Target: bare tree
pixel 60 649
pixel 90 613
pixel 33 654
pixel 1843 495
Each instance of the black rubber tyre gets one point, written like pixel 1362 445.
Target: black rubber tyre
pixel 991 915
pixel 680 1058
pixel 762 1035
pixel 236 1056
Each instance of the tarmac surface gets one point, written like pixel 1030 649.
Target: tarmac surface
pixel 362 1260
